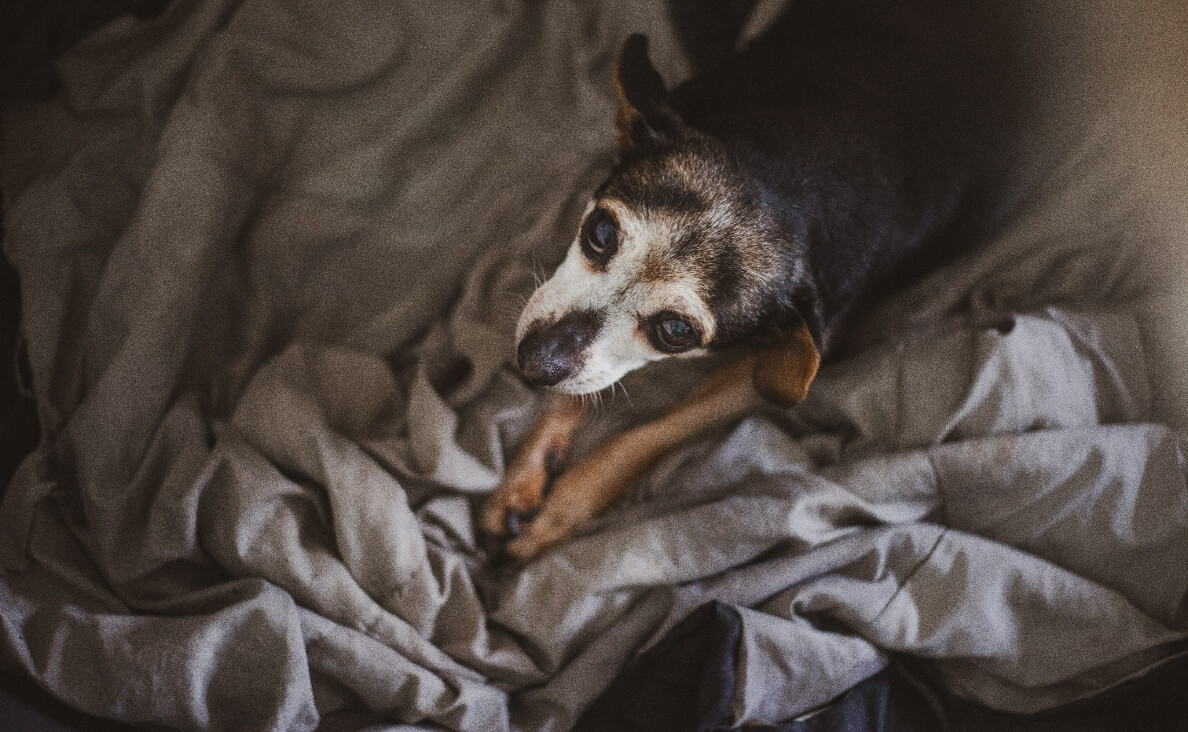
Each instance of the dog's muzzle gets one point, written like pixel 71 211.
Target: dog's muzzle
pixel 552 352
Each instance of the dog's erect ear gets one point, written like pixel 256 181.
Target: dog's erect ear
pixel 645 118
pixel 785 370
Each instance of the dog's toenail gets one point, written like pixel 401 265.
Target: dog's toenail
pixel 552 463
pixel 516 520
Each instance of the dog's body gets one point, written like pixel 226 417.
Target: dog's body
pixel 756 208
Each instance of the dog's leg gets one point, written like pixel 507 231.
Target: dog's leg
pixel 519 496
pixel 588 487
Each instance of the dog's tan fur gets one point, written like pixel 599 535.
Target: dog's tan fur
pixel 710 218
pixel 757 208
pixel 588 487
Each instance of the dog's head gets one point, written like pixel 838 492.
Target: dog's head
pixel 681 251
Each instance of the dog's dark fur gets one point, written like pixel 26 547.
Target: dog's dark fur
pixel 759 205
pixel 862 144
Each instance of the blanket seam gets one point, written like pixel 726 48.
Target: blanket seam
pixel 944 530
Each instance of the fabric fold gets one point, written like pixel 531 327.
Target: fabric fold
pixel 271 258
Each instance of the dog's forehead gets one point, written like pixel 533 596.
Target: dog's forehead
pixel 672 202
pixel 687 184
pixel 692 216
pixel 688 216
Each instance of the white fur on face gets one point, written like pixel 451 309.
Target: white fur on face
pixel 623 296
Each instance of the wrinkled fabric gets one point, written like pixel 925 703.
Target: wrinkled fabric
pixel 689 679
pixel 271 257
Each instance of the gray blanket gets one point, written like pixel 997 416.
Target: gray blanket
pixel 271 256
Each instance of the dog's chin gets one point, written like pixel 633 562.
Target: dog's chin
pixel 588 383
pixel 580 388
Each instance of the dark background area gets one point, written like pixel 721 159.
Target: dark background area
pixel 32 34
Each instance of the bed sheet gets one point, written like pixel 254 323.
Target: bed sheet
pixel 271 257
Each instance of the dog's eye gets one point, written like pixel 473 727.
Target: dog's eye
pixel 674 334
pixel 600 235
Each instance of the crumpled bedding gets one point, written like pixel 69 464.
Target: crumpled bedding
pixel 271 257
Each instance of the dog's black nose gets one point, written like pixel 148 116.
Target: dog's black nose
pixel 551 353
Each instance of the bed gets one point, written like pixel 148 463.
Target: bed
pixel 271 255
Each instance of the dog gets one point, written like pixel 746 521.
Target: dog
pixel 755 209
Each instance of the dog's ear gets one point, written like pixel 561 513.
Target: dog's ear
pixel 645 118
pixel 786 368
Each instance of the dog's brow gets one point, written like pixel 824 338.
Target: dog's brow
pixel 673 198
pixel 687 244
pixel 658 190
pixel 658 266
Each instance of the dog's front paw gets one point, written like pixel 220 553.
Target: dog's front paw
pixel 518 498
pixel 545 530
pixel 578 495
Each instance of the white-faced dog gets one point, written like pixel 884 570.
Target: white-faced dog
pixel 754 209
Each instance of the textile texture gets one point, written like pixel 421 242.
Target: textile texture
pixel 271 255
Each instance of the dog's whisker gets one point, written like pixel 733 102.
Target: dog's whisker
pixel 538 272
pixel 626 395
pixel 587 321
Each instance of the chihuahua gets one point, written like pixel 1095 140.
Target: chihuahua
pixel 754 209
